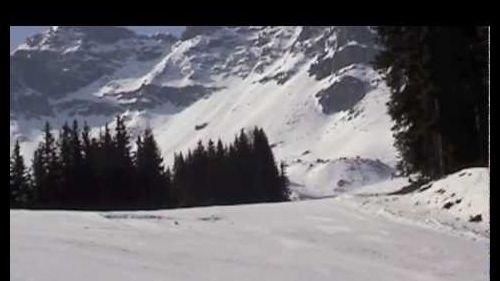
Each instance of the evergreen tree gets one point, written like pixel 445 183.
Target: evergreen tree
pixel 150 172
pixel 141 172
pixel 172 200
pixel 220 174
pixel 20 188
pixel 89 169
pixel 123 173
pixel 211 167
pixel 46 170
pixel 438 82
pixel 77 165
pixel 105 170
pixel 272 185
pixel 180 180
pixel 243 164
pixel 198 168
pixel 65 180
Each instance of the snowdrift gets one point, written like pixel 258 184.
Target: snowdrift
pixel 460 201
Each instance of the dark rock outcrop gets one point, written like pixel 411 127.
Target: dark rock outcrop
pixel 342 95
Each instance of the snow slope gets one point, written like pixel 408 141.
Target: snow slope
pixel 291 118
pixel 460 201
pixel 326 239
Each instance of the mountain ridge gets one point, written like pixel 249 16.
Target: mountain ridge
pixel 310 88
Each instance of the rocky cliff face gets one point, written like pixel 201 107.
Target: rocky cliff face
pixel 105 70
pixel 63 60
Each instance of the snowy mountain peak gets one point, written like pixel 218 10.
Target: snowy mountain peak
pixel 116 63
pixel 192 31
pixel 57 37
pixel 311 88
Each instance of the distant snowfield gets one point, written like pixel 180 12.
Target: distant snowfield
pixel 324 239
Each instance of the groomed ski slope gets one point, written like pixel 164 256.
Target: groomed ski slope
pixel 325 239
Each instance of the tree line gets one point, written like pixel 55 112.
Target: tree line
pixel 438 78
pixel 77 171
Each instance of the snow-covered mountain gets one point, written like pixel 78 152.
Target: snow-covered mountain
pixel 323 108
pixel 312 89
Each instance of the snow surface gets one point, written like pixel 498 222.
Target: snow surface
pixel 450 202
pixel 324 178
pixel 327 239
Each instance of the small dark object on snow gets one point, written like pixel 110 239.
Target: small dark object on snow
pixel 273 145
pixel 410 188
pixel 201 126
pixel 448 205
pixel 425 187
pixel 476 218
pixel 306 152
pixel 210 218
pixel 342 182
pixel 176 223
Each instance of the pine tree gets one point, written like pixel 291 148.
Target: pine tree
pixel 232 177
pixel 410 96
pixel 459 71
pixel 273 188
pixel 261 184
pixel 141 173
pixel 89 170
pixel 77 165
pixel 180 180
pixel 211 167
pixel 150 172
pixel 172 200
pixel 220 176
pixel 46 171
pixel 39 176
pixel 437 77
pixel 65 181
pixel 198 169
pixel 123 173
pixel 243 164
pixel 105 170
pixel 20 188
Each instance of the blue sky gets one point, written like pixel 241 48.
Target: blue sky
pixel 18 34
